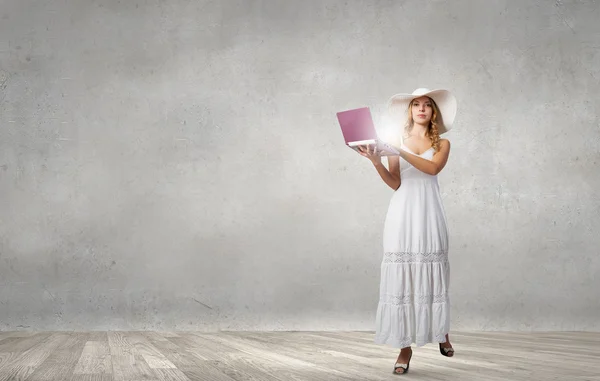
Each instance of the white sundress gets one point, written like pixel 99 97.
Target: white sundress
pixel 414 305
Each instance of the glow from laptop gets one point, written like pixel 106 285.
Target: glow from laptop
pixel 389 131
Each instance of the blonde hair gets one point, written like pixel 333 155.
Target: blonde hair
pixel 432 131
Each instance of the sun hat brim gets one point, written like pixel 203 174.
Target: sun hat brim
pixel 444 99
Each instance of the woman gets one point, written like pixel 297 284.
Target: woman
pixel 415 273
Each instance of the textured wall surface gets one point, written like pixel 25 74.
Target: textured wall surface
pixel 178 164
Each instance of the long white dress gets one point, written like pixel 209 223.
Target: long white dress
pixel 414 306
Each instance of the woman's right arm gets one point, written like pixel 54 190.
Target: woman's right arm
pixel 392 176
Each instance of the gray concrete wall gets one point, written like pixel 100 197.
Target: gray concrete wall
pixel 178 165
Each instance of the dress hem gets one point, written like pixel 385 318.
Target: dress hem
pixel 397 342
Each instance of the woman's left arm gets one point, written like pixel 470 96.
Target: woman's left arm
pixel 433 166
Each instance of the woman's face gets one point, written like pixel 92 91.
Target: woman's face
pixel 422 110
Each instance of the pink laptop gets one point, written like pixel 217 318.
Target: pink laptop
pixel 358 129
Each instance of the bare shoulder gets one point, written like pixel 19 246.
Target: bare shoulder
pixel 441 157
pixel 445 144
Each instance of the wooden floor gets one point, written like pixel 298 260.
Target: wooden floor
pixel 311 356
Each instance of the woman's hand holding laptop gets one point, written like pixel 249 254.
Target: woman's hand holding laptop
pixel 372 154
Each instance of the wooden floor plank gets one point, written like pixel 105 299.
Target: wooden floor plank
pixel 152 356
pixel 94 359
pixel 22 343
pixel 25 364
pixel 130 367
pixel 61 361
pixel 291 356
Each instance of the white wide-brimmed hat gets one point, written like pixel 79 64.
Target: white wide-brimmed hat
pixel 444 99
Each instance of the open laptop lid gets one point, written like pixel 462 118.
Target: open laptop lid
pixel 357 124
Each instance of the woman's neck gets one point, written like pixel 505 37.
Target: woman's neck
pixel 419 130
